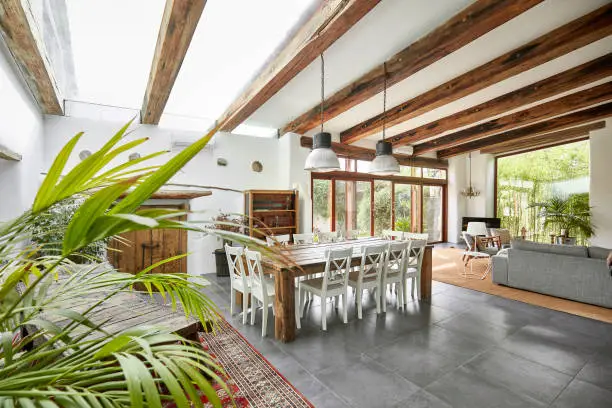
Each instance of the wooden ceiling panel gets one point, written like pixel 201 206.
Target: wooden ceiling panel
pixel 471 23
pixel 576 34
pixel 562 122
pixel 330 22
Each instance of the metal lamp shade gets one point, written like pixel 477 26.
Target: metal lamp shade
pixel 384 164
pixel 322 158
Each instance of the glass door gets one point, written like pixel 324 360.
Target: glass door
pixel 352 207
pixel 407 207
pixel 432 212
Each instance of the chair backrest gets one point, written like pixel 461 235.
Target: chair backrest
pixel 253 260
pixel 417 250
pixel 416 235
pixel 503 234
pixel 391 234
pixel 325 237
pixel 372 261
pixel 234 261
pixel 273 240
pixel 469 241
pixel 300 239
pixel 397 256
pixel 337 267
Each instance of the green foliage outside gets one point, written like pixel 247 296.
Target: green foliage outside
pixel 536 177
pixel 49 227
pixel 402 224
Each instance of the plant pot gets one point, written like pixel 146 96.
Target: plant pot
pixel 566 240
pixel 221 262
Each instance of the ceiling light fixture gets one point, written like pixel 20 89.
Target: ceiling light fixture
pixel 470 191
pixel 322 157
pixel 384 164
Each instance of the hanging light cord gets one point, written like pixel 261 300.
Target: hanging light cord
pixel 470 160
pixel 384 100
pixel 322 88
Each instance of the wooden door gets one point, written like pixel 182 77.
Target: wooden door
pixel 138 250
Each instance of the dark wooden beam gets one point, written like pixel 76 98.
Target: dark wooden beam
pixel 565 81
pixel 351 175
pixel 331 20
pixel 362 153
pixel 23 40
pixel 551 125
pixel 542 146
pixel 474 21
pixel 178 24
pixel 556 107
pixel 576 34
pixel 538 140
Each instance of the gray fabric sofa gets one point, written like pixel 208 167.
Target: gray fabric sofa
pixel 572 272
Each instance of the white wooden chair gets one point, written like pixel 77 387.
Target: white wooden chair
pixel 273 240
pixel 416 235
pixel 262 288
pixel 326 237
pixel 332 284
pixel 413 271
pixel 393 235
pixel 369 275
pixel 394 271
pixel 352 234
pixel 301 239
pixel 239 281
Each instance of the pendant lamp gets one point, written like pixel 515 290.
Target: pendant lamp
pixel 322 157
pixel 470 191
pixel 384 164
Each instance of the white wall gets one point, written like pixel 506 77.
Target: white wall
pixel 239 151
pixel 20 131
pixel 601 185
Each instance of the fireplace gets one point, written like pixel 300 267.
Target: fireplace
pixel 491 222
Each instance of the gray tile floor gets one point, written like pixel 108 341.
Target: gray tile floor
pixel 463 349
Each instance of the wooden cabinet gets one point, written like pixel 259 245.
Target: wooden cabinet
pixel 137 250
pixel 271 212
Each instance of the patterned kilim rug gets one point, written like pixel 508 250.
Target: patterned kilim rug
pixel 253 380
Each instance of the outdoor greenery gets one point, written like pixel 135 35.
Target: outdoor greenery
pixel 571 215
pixel 48 230
pixel 86 363
pixel 524 180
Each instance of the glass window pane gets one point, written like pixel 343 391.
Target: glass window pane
pixel 363 166
pixel 113 43
pixel 341 206
pixel 321 205
pixel 353 207
pixel 363 206
pixel 382 206
pixel 407 206
pixel 409 171
pixel 434 173
pixel 432 212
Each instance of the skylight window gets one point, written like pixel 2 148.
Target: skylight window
pixel 113 42
pixel 233 40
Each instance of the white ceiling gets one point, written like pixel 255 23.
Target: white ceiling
pixel 392 26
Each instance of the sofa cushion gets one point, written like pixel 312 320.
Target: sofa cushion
pixel 599 252
pixel 568 250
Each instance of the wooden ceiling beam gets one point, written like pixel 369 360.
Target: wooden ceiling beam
pixel 23 40
pixel 576 34
pixel 562 122
pixel 542 140
pixel 178 25
pixel 556 107
pixel 576 77
pixel 471 23
pixel 531 141
pixel 362 153
pixel 331 20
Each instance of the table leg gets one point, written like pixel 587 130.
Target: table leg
pixel 426 273
pixel 284 284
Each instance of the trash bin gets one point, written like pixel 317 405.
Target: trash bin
pixel 221 261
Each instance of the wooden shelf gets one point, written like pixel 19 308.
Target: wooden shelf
pixel 272 207
pixel 275 228
pixel 272 211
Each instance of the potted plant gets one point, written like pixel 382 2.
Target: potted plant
pixel 226 224
pixel 567 215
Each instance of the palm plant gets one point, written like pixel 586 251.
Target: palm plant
pixel 571 214
pixel 85 363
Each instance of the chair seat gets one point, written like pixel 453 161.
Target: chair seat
pixel 239 286
pixel 354 277
pixel 269 286
pixel 316 285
